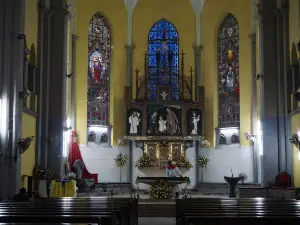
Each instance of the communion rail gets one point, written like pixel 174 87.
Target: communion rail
pixel 71 210
pixel 237 211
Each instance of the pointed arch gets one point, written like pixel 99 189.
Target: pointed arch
pixel 228 72
pixel 163 58
pixel 99 60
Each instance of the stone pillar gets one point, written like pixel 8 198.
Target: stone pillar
pixel 73 92
pixel 287 93
pixel 280 92
pixel 12 45
pixel 254 104
pixel 43 79
pixel 197 50
pixel 268 92
pixel 197 149
pixel 57 88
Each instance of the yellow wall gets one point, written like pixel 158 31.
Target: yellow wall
pixel 116 14
pixel 213 13
pixel 294 34
pixel 29 122
pixel 181 14
pixel 295 121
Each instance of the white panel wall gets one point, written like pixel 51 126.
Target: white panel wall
pixel 100 160
pixel 240 159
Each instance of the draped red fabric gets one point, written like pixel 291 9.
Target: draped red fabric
pixel 75 154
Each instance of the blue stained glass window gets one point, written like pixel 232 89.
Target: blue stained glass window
pixel 163 58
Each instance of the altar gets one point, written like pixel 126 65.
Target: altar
pixel 164 117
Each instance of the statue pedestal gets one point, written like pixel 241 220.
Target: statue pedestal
pixel 232 182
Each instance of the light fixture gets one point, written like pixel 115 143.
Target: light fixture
pixel 249 136
pixel 295 140
pixel 68 124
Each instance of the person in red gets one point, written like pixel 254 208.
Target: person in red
pixel 173 171
pixel 96 69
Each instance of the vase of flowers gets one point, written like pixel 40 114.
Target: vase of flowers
pixel 144 161
pixel 43 175
pixel 183 162
pixel 202 162
pixel 121 161
pixel 161 190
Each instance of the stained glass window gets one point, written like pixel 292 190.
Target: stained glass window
pixel 99 54
pixel 228 73
pixel 163 58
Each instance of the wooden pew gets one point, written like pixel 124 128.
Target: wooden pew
pixel 71 210
pixel 237 211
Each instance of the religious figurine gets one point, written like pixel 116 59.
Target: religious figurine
pixel 96 68
pixel 164 95
pixel 134 121
pixel 173 171
pixel 162 127
pixel 195 120
pixel 230 80
pixel 172 122
pixel 152 123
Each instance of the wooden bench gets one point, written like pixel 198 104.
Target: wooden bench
pixel 237 211
pixel 71 210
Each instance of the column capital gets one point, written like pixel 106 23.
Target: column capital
pixel 198 48
pixel 129 47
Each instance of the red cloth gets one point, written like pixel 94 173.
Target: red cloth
pixel 283 179
pixel 75 154
pixel 171 167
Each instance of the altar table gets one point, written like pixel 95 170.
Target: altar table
pixel 63 189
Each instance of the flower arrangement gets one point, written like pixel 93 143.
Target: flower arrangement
pixel 243 176
pixel 121 160
pixel 202 161
pixel 72 176
pixel 183 162
pixel 144 161
pixel 161 190
pixel 43 173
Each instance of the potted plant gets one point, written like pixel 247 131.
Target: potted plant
pixel 161 190
pixel 202 162
pixel 43 175
pixel 121 161
pixel 183 162
pixel 144 161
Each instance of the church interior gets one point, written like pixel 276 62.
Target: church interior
pixel 110 91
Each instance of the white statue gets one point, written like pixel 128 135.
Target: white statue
pixel 162 125
pixel 134 121
pixel 164 95
pixel 195 120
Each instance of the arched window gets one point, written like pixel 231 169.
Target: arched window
pixel 228 73
pixel 99 55
pixel 163 58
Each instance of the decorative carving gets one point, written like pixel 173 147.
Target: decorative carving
pixel 163 138
pixel 92 136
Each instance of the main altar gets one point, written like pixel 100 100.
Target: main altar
pixel 164 111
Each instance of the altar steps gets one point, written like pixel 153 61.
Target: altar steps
pixel 157 210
